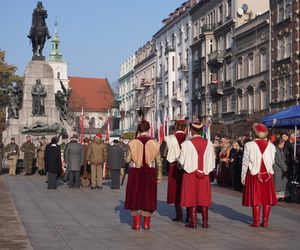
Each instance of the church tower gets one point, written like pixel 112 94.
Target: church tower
pixel 59 66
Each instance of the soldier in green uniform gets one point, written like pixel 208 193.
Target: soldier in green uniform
pixel 13 153
pixel 2 153
pixel 29 151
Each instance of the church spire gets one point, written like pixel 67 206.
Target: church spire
pixel 55 54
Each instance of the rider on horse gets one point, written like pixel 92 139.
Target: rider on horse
pixel 39 30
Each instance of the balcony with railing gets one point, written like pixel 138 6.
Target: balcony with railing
pixel 145 82
pixel 216 88
pixel 208 28
pixel 169 49
pixel 137 87
pixel 158 80
pixel 177 96
pixel 216 58
pixel 184 68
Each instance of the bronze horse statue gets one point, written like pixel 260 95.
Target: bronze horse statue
pixel 39 30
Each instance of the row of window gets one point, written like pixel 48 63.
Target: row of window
pixel 284 47
pixel 246 65
pixel 283 10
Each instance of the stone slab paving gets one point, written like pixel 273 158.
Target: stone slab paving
pixel 96 219
pixel 12 232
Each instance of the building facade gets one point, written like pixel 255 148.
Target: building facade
pixel 144 80
pixel 214 24
pixel 127 94
pixel 173 79
pixel 285 42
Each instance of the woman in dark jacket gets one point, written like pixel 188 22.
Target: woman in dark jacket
pixel 53 163
pixel 280 168
pixel 235 165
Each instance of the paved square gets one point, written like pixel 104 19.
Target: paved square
pixel 96 219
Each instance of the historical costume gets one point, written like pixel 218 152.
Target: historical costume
pixel 171 153
pixel 145 170
pixel 198 160
pixel 257 175
pixel 28 149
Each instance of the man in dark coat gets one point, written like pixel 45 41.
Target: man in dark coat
pixel 53 164
pixel 74 161
pixel 115 162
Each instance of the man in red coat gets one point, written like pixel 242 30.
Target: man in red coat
pixel 198 160
pixel 171 152
pixel 145 171
pixel 257 175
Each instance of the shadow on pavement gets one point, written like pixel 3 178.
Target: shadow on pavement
pixel 229 213
pixel 124 215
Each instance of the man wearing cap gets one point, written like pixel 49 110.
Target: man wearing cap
pixel 172 146
pixel 96 156
pixel 144 173
pixel 257 175
pixel 13 152
pixel 28 149
pixel 40 163
pixel 74 161
pixel 198 160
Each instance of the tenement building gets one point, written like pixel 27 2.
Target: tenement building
pixel 144 80
pixel 173 64
pixel 214 24
pixel 285 44
pixel 127 94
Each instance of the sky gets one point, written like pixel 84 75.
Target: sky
pixel 96 35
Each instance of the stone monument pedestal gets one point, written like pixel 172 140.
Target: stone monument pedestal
pixel 36 69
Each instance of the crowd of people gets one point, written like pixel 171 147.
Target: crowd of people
pixel 265 168
pixel 229 158
pixel 81 165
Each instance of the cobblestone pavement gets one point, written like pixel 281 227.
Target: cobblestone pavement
pixel 12 232
pixel 96 219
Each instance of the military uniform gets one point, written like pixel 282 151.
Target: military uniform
pixel 29 150
pixel 2 153
pixel 13 152
pixel 40 163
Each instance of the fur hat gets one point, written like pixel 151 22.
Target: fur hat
pixel 260 130
pixel 99 136
pixel 180 125
pixel 143 126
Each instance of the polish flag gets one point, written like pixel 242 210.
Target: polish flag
pixel 82 126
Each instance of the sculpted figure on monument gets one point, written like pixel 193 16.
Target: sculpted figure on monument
pixel 14 99
pixel 62 100
pixel 39 31
pixel 40 128
pixel 38 95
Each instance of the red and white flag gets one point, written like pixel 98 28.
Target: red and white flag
pixel 82 126
pixel 107 126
